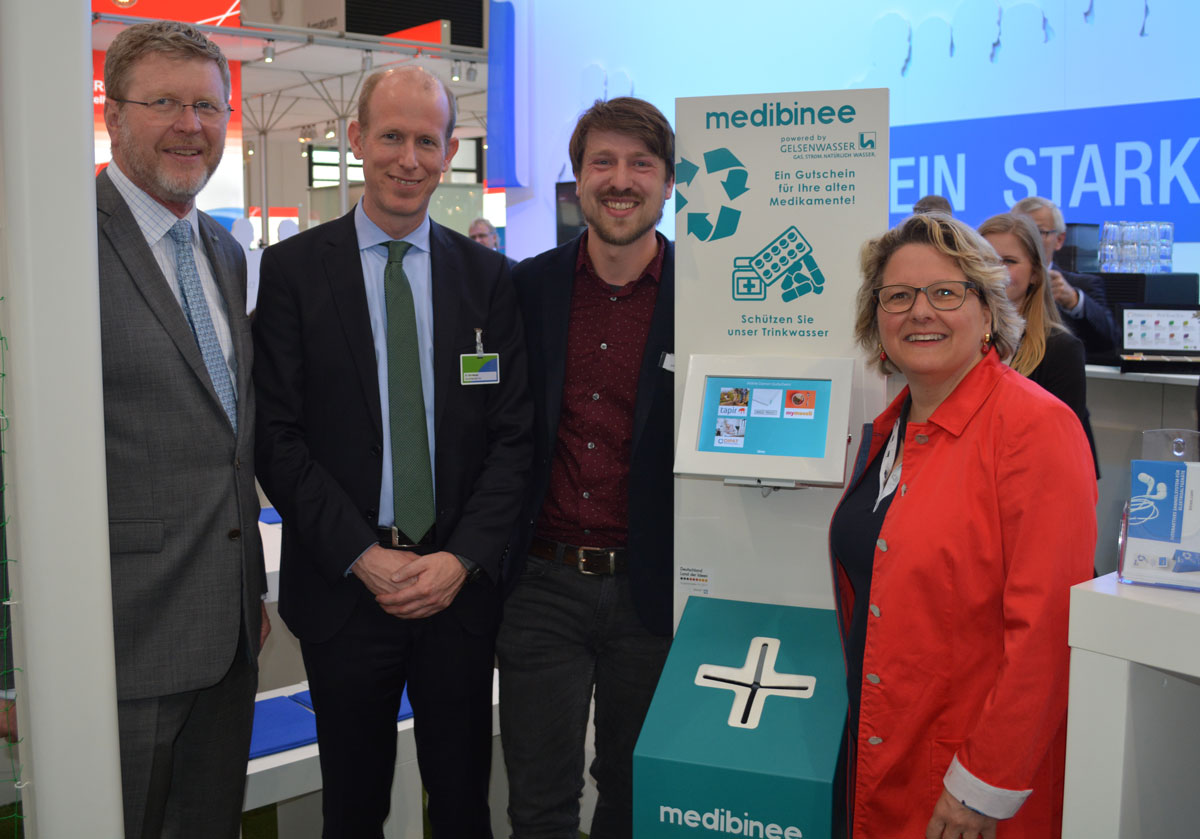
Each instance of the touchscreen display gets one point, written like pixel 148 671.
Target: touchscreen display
pixel 1164 330
pixel 787 417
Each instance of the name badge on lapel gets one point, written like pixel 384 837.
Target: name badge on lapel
pixel 479 368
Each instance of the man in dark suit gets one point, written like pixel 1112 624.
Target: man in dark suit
pixel 591 608
pixel 394 439
pixel 1080 297
pixel 187 567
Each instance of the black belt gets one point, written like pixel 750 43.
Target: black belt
pixel 390 537
pixel 587 560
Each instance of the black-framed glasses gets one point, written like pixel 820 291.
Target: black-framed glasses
pixel 170 109
pixel 945 296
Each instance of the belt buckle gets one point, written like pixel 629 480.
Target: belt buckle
pixel 579 560
pixel 396 544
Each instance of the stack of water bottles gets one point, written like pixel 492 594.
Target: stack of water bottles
pixel 1136 247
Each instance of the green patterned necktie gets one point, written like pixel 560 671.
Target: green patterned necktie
pixel 412 481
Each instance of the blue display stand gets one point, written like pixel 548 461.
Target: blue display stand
pixel 743 733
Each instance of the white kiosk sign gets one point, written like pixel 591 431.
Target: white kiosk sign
pixel 774 196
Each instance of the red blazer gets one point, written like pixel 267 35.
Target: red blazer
pixel 966 659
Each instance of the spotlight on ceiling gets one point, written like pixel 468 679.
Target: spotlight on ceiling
pixel 368 60
pixel 268 52
pixel 472 73
pixel 456 71
pixel 330 131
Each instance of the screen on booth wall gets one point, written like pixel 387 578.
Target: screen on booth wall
pixel 1160 329
pixel 788 417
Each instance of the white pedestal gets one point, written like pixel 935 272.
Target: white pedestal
pixel 1133 731
pixel 292 781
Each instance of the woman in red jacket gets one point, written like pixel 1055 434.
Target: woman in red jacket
pixel 969 516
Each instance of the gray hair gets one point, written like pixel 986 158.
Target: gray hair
pixel 1033 203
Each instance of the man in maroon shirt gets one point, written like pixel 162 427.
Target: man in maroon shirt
pixel 590 609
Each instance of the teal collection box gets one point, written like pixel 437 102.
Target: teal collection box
pixel 743 733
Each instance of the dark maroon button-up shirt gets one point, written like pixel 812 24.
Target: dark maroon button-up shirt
pixel 587 502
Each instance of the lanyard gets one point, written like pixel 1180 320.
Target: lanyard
pixel 889 478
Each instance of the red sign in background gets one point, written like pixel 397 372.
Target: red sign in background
pixel 225 187
pixel 209 12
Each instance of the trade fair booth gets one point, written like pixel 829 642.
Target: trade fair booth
pixel 774 194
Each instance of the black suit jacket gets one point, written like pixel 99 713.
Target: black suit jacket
pixel 1061 373
pixel 544 287
pixel 1097 329
pixel 320 453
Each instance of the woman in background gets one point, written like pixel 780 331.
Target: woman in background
pixel 951 563
pixel 1048 353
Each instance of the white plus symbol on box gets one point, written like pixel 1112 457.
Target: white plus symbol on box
pixel 754 681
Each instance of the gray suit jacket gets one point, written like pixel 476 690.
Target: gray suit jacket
pixel 187 566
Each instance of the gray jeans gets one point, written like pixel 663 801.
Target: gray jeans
pixel 564 634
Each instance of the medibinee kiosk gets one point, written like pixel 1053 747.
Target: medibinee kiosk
pixel 774 196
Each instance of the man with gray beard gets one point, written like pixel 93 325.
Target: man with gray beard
pixel 187 565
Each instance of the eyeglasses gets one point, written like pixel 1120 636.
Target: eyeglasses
pixel 1046 234
pixel 945 296
pixel 170 109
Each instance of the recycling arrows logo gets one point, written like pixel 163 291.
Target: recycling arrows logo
pixel 718 162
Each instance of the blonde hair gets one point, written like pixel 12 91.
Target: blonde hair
pixel 1038 307
pixel 970 252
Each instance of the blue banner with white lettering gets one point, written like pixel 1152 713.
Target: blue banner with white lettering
pixel 1120 163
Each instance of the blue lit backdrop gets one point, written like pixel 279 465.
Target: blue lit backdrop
pixel 943 60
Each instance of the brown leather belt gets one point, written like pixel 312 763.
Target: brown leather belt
pixel 586 560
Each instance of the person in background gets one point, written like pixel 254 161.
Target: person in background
pixel 951 564
pixel 1080 297
pixel 1047 353
pixel 179 414
pixel 484 232
pixel 397 463
pixel 591 608
pixel 933 204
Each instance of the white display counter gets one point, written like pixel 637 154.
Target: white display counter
pixel 1133 730
pixel 1122 406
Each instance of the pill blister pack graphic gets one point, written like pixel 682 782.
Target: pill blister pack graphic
pixel 782 256
pixel 788 260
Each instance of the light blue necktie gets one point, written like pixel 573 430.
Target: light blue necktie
pixel 196 309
